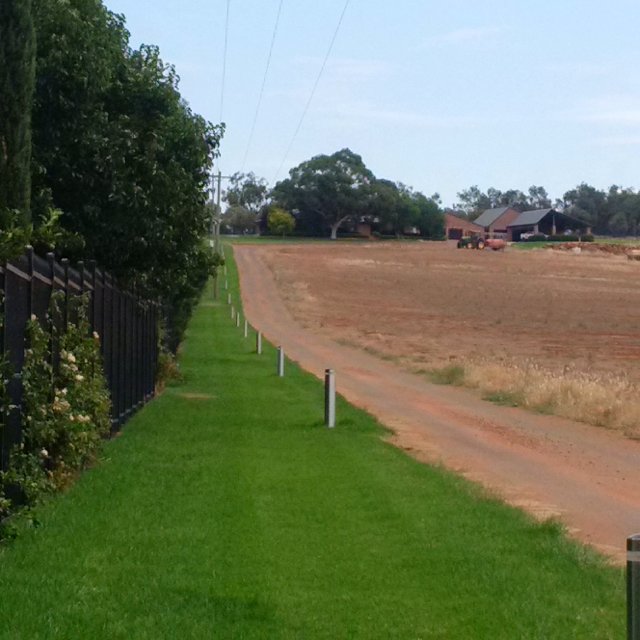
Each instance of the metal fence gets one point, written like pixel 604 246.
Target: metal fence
pixel 127 326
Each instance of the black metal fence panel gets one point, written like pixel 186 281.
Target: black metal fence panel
pixel 127 327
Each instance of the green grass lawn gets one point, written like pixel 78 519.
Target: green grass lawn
pixel 226 510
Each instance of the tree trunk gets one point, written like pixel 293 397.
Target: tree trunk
pixel 335 226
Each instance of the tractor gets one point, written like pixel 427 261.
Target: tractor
pixel 478 242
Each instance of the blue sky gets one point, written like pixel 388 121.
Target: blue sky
pixel 438 95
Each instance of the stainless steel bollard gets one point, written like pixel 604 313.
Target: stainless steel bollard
pixel 280 362
pixel 259 343
pixel 330 398
pixel 633 587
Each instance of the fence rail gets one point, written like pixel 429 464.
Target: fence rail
pixel 127 326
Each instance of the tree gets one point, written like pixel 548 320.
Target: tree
pixel 473 202
pixel 326 191
pixel 121 154
pixel 17 78
pixel 239 219
pixel 538 198
pixel 248 191
pixel 589 204
pixel 280 222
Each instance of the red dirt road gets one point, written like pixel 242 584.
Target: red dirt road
pixel 586 476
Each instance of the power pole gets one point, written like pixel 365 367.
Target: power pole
pixel 215 222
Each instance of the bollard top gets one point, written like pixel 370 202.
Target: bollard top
pixel 633 542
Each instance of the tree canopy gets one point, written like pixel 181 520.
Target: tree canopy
pixel 120 153
pixel 326 191
pixel 17 78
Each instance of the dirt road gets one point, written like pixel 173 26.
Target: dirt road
pixel 586 476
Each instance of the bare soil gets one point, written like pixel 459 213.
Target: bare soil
pixel 373 312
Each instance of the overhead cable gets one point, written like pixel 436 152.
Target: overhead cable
pixel 313 90
pixel 264 82
pixel 224 60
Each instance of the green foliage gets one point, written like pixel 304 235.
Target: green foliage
pixel 121 154
pixel 17 77
pixel 65 408
pixel 280 222
pixel 239 219
pixel 326 191
pixel 248 191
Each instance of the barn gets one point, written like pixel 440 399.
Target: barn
pixel 547 222
pixel 456 227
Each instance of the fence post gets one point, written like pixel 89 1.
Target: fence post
pixel 259 343
pixel 633 587
pixel 329 398
pixel 280 362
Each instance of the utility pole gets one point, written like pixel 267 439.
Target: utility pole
pixel 216 221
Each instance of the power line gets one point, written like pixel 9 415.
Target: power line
pixel 224 59
pixel 264 81
pixel 313 91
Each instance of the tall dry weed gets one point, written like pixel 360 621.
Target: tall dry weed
pixel 600 399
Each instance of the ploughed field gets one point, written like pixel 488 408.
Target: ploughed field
pixel 430 305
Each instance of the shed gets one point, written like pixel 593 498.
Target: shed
pixel 456 227
pixel 547 222
pixel 495 222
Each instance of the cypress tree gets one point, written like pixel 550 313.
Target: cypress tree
pixel 17 81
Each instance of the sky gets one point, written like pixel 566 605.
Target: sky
pixel 436 95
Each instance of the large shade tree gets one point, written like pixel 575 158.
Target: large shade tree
pixel 326 191
pixel 17 76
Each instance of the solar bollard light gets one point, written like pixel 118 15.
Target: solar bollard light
pixel 228 298
pixel 633 587
pixel 238 319
pixel 330 398
pixel 259 343
pixel 280 362
pixel 233 312
pixel 226 284
pixel 246 328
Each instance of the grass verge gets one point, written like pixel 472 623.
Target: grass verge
pixel 226 510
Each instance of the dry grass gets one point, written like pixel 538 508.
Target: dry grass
pixel 603 400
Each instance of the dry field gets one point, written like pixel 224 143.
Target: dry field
pixel 553 331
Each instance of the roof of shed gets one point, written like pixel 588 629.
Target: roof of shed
pixel 489 216
pixel 527 218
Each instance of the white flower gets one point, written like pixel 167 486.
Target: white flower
pixel 96 335
pixel 71 357
pixel 79 378
pixel 33 317
pixel 44 453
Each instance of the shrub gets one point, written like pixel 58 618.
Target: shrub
pixel 65 408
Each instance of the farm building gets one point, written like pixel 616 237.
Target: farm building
pixel 456 227
pixel 545 221
pixel 495 222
